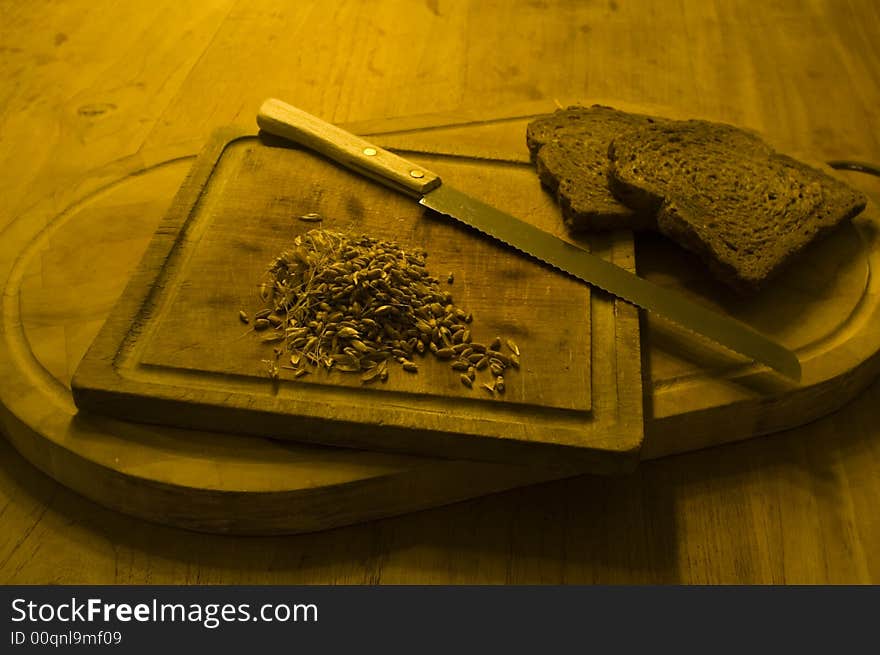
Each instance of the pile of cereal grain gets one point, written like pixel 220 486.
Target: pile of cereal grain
pixel 354 304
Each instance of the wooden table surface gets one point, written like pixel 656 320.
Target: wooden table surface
pixel 85 84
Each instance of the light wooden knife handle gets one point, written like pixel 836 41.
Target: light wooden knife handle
pixel 279 118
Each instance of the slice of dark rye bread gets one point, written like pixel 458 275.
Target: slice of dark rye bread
pixel 724 194
pixel 570 150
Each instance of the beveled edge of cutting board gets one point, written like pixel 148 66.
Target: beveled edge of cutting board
pixel 613 445
pixel 835 368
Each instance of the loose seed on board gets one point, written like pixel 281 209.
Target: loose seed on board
pixel 263 313
pixel 271 369
pixel 451 278
pixel 261 324
pixel 372 374
pixel 499 384
pixel 409 366
pixel 513 347
pixel 466 381
pixel 311 217
pixel 243 317
pixel 489 388
pixel 496 344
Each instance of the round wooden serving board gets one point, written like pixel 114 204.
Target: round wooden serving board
pixel 75 254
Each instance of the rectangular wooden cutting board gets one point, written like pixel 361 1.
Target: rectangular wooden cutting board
pixel 174 351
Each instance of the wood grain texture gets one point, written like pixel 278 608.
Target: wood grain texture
pixel 174 352
pixel 717 399
pixel 796 507
pixel 208 481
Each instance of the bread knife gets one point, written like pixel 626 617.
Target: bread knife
pixel 283 120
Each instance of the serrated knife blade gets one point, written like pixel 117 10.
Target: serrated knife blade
pixel 286 121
